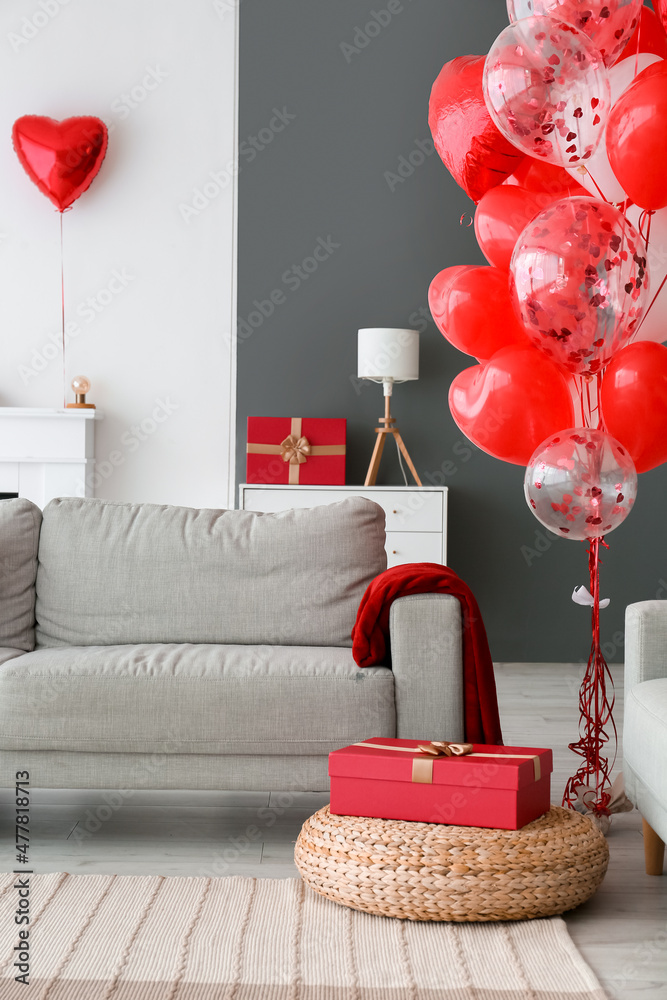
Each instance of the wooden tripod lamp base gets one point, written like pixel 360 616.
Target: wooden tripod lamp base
pixel 388 427
pixel 386 355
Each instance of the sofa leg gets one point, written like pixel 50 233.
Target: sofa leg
pixel 654 850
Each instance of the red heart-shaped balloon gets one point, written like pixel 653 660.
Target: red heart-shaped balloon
pixel 547 180
pixel 476 154
pixel 634 402
pixel 649 35
pixel 508 406
pixel 472 308
pixel 61 158
pixel 502 215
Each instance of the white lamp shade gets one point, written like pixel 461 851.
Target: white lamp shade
pixel 388 354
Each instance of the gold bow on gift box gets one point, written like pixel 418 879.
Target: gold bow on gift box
pixel 422 766
pixel 440 748
pixel 295 449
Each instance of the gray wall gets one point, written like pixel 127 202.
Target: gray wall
pixel 323 176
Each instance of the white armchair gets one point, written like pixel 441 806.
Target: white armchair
pixel 645 727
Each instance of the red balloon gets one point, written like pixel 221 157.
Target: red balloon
pixel 649 35
pixel 660 7
pixel 61 158
pixel 472 308
pixel 477 156
pixel 637 138
pixel 551 181
pixel 502 215
pixel 510 405
pixel 634 402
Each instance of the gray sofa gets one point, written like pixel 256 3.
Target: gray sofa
pixel 645 723
pixel 146 646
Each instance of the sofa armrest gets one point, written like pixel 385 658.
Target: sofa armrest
pixel 427 662
pixel 645 642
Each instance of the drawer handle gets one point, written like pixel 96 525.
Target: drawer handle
pixel 394 552
pixel 394 512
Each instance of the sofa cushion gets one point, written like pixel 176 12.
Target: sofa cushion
pixel 19 537
pixel 113 573
pixel 8 653
pixel 200 699
pixel 645 735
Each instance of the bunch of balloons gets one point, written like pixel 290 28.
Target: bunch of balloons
pixel 560 137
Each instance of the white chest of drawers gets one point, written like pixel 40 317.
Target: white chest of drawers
pixel 416 515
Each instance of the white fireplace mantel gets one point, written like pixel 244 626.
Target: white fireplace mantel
pixel 46 453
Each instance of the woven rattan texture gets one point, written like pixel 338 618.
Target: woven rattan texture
pixel 428 871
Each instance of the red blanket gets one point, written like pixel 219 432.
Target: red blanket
pixel 370 639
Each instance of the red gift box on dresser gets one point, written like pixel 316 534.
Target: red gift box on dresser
pixel 303 451
pixel 478 785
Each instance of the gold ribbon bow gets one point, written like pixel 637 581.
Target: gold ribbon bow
pixel 422 766
pixel 442 748
pixel 295 450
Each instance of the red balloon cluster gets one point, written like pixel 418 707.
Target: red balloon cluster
pixel 560 137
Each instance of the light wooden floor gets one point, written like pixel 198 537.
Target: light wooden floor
pixel 622 931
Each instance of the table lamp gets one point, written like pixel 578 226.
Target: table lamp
pixel 388 356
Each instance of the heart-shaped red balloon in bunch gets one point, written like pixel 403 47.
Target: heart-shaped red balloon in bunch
pixel 502 215
pixel 61 158
pixel 477 156
pixel 634 402
pixel 546 179
pixel 649 34
pixel 660 7
pixel 508 406
pixel 472 309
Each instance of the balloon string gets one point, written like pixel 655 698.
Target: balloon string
pixel 580 391
pixel 595 708
pixel 62 303
pixel 589 409
pixel 645 220
pixel 597 186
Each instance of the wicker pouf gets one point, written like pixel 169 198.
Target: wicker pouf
pixel 428 871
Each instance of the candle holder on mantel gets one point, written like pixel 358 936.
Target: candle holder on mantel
pixel 80 386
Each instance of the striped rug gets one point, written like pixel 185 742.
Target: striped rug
pixel 98 937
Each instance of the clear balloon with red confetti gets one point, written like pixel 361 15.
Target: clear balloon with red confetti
pixel 608 23
pixel 547 89
pixel 579 280
pixel 581 484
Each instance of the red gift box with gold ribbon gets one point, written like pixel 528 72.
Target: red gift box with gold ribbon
pixel 299 451
pixel 460 784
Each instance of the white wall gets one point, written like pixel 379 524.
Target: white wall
pixel 156 342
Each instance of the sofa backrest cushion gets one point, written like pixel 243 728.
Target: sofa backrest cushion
pixel 112 573
pixel 20 521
